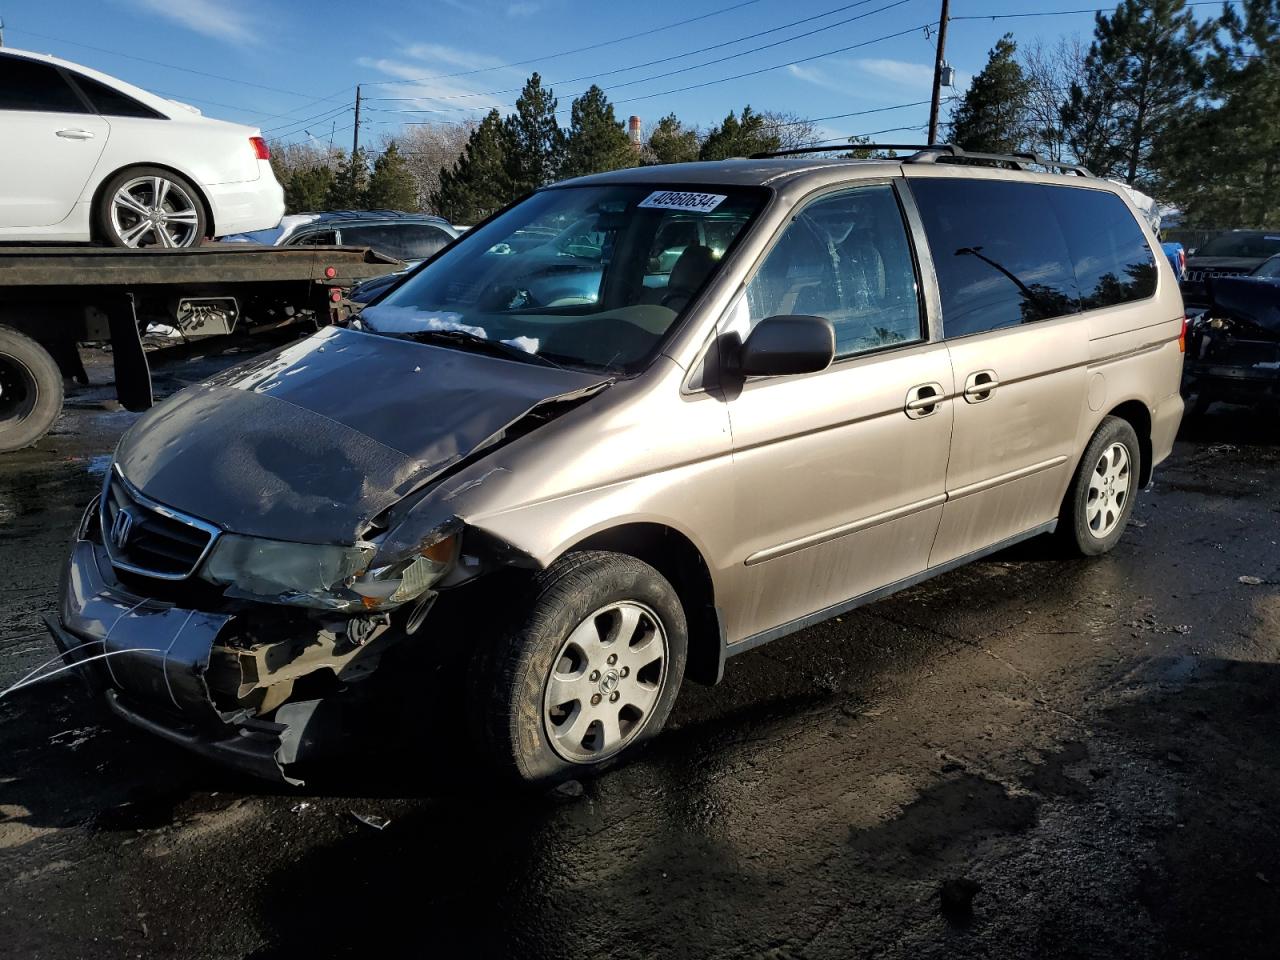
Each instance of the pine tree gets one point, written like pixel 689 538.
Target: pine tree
pixel 671 142
pixel 740 137
pixel 1220 161
pixel 480 182
pixel 537 142
pixel 306 189
pixel 349 183
pixel 991 116
pixel 596 140
pixel 391 186
pixel 1141 72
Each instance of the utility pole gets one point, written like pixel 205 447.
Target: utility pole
pixel 937 73
pixel 355 137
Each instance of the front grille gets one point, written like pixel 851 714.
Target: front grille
pixel 1200 276
pixel 145 537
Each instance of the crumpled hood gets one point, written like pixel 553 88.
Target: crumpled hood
pixel 1255 300
pixel 311 441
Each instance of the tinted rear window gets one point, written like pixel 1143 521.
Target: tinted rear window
pixel 1000 256
pixel 110 102
pixel 28 85
pixel 1113 263
pixel 1241 245
pixel 404 241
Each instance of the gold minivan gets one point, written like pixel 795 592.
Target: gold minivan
pixel 626 428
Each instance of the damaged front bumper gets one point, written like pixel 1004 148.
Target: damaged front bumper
pixel 195 678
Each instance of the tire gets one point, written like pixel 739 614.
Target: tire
pixel 1086 526
pixel 570 621
pixel 30 390
pixel 181 216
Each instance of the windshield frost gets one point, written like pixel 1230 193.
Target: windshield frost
pixel 584 276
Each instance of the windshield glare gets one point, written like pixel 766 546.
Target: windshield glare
pixel 1236 245
pixel 591 276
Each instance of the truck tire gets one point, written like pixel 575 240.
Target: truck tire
pixel 589 671
pixel 30 390
pixel 150 207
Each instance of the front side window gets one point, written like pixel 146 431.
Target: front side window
pixel 845 258
pixel 320 238
pixel 586 276
pixel 1112 260
pixel 404 241
pixel 998 251
pixel 28 85
pixel 110 102
pixel 1271 268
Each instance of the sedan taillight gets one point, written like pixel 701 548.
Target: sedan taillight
pixel 260 148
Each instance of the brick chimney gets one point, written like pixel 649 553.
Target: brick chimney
pixel 633 131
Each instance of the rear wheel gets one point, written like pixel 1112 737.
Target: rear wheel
pixel 590 672
pixel 150 207
pixel 1100 499
pixel 30 390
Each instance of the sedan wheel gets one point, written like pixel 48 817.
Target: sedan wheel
pixel 154 211
pixel 605 682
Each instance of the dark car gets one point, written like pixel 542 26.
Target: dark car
pixel 412 237
pixel 1233 345
pixel 1236 253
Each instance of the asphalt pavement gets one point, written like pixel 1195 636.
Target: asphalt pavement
pixel 1029 756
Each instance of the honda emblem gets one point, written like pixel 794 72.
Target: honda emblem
pixel 121 527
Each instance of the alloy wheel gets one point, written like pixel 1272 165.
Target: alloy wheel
pixel 1109 484
pixel 153 211
pixel 605 682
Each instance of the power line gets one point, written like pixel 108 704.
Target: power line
pixel 171 66
pixel 565 53
pixel 778 66
pixel 1067 13
pixel 708 63
pixel 687 53
pixel 326 115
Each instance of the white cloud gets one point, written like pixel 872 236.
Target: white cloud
pixel 818 78
pixel 213 18
pixel 523 8
pixel 451 99
pixel 438 53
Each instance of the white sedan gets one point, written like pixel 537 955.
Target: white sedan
pixel 89 157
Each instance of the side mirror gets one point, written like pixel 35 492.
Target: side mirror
pixel 788 344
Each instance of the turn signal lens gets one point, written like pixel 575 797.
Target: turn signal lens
pixel 260 148
pixel 1182 337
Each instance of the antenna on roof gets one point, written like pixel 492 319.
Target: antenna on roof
pixel 1 31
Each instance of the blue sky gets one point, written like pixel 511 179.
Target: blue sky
pixel 297 63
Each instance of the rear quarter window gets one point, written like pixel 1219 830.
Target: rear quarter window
pixel 1000 256
pixel 110 102
pixel 1113 262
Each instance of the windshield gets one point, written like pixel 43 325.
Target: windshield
pixel 1241 245
pixel 1270 268
pixel 590 276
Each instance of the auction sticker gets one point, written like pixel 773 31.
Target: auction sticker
pixel 678 200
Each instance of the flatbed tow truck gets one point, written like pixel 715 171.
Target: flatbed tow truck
pixel 54 298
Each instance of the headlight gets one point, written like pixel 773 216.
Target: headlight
pixel 393 583
pixel 307 574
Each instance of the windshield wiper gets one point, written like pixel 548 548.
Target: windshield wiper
pixel 469 341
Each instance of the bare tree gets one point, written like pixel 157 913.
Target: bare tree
pixel 1050 70
pixel 427 149
pixel 791 129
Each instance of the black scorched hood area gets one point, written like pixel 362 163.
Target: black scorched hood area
pixel 310 442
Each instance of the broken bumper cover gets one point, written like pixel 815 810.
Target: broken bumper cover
pixel 153 674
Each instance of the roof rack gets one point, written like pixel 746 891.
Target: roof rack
pixel 933 152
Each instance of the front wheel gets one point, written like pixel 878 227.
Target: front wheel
pixel 1100 499
pixel 150 207
pixel 589 673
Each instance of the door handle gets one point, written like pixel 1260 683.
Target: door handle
pixel 980 386
pixel 74 133
pixel 923 400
